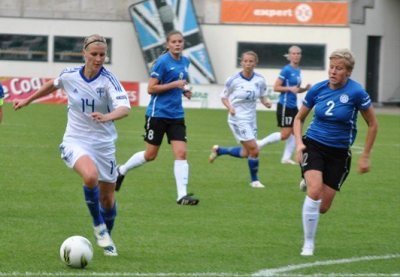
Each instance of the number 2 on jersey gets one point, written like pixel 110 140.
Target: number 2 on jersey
pixel 330 105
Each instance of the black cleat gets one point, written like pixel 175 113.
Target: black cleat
pixel 120 179
pixel 188 200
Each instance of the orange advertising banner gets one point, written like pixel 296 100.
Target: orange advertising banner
pixel 284 13
pixel 23 87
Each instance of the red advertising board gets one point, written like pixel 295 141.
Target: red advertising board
pixel 285 13
pixel 22 87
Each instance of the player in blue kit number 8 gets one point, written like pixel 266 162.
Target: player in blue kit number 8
pixel 324 151
pixel 165 115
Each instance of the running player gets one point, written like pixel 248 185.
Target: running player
pixel 324 151
pixel 95 99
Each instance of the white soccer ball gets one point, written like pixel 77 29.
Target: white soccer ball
pixel 76 251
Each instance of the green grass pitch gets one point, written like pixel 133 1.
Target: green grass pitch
pixel 235 230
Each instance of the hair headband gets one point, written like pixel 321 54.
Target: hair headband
pixel 96 40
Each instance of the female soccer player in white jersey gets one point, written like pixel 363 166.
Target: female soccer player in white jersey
pixel 165 115
pixel 288 85
pixel 324 151
pixel 95 99
pixel 239 96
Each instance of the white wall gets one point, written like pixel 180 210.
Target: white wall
pixel 221 41
pixel 127 60
pixel 388 29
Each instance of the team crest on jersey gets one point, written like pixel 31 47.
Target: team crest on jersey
pixel 344 98
pixel 100 91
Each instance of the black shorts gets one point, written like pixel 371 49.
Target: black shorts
pixel 285 116
pixel 156 127
pixel 334 163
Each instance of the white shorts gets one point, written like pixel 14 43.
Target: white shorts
pixel 243 131
pixel 104 158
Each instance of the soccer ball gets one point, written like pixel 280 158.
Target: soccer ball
pixel 76 252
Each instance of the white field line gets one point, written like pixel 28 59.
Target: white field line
pixel 280 271
pixel 288 268
pixel 127 274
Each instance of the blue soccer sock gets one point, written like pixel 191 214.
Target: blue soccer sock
pixel 253 167
pixel 231 151
pixel 109 216
pixel 92 201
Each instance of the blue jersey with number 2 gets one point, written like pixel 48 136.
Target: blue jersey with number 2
pixel 335 112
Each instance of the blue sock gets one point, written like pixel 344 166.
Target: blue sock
pixel 253 166
pixel 109 216
pixel 92 201
pixel 232 151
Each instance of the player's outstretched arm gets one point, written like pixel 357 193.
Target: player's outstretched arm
pixel 44 90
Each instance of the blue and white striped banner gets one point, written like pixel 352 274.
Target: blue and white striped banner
pixel 153 19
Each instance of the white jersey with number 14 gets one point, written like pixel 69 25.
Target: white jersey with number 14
pixel 103 94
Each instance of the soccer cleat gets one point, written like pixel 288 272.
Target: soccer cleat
pixel 303 185
pixel 110 250
pixel 307 251
pixel 120 179
pixel 102 236
pixel 289 161
pixel 257 185
pixel 188 200
pixel 214 153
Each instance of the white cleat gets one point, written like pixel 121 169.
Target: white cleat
pixel 289 161
pixel 213 154
pixel 110 250
pixel 303 185
pixel 307 251
pixel 102 236
pixel 257 185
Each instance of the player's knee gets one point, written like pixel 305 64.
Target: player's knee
pixel 323 209
pixel 107 201
pixel 253 153
pixel 180 154
pixel 90 179
pixel 150 157
pixel 285 136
